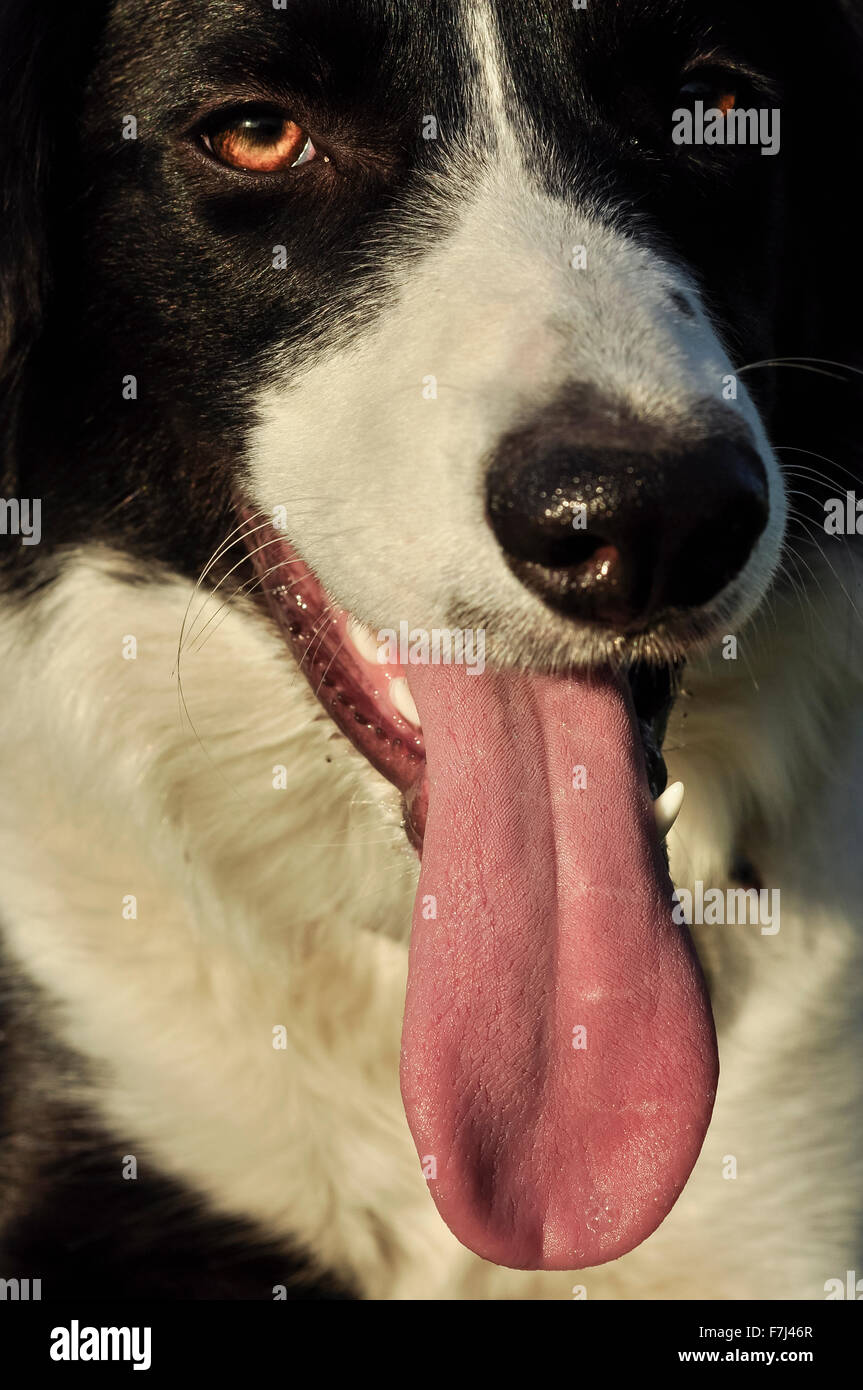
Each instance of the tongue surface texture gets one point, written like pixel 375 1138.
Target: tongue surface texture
pixel 559 1059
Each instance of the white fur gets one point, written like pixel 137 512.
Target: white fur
pixel 259 908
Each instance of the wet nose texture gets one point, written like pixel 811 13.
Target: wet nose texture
pixel 618 535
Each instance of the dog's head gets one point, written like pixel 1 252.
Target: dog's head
pixel 460 320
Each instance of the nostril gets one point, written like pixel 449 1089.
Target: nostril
pixel 715 550
pixel 583 546
pixel 570 550
pixel 618 535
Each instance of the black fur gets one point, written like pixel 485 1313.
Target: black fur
pixel 70 1218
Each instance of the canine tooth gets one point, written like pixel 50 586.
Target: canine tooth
pixel 666 808
pixel 404 700
pixel 364 640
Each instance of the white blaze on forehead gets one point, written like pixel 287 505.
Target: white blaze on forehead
pixel 495 84
pixel 379 449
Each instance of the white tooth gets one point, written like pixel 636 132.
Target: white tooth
pixel 404 700
pixel 666 808
pixel 364 640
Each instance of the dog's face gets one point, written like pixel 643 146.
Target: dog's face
pixel 424 306
pixel 404 275
pixel 408 274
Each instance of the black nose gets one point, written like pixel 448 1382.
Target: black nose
pixel 619 535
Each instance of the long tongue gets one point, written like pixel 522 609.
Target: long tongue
pixel 559 1059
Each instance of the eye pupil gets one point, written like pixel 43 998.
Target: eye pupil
pixel 263 127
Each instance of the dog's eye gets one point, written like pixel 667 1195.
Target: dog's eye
pixel 260 143
pixel 718 91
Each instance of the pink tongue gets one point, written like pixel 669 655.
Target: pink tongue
pixel 559 1059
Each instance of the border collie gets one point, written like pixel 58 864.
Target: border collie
pixel 415 457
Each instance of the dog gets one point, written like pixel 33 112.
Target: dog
pixel 416 449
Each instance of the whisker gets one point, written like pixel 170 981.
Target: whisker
pixel 220 550
pixel 247 588
pixel 803 364
pixel 327 668
pixel 807 527
pixel 247 555
pixel 182 706
pixel 790 448
pixel 318 636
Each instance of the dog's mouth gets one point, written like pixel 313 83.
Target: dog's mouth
pixel 559 1059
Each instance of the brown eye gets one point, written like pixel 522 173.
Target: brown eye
pixel 716 94
pixel 261 144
